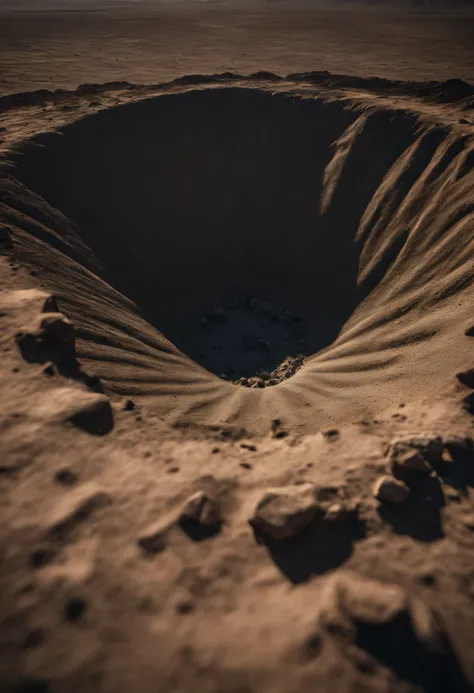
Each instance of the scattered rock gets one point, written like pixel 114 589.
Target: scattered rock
pixel 389 490
pixel 411 460
pixel 470 331
pixel 75 506
pixel 54 326
pixel 249 446
pixel 66 476
pixel 273 381
pixel 129 405
pixel 35 638
pixel 90 411
pixel 75 609
pixel 284 513
pixel 353 602
pixel 430 447
pixel 201 509
pixel 466 377
pixel 351 597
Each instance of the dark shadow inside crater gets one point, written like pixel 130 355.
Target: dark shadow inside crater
pixel 202 202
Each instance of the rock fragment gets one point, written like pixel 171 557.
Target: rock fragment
pixel 54 326
pixel 466 377
pixel 353 602
pixel 411 460
pixel 283 513
pixel 90 411
pixel 356 598
pixel 430 446
pixel 201 509
pixel 76 505
pixel 388 490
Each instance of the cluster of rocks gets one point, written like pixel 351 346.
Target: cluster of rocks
pixel 416 455
pixel 262 334
pixel 268 378
pixel 49 339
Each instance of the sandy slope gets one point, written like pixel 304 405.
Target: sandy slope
pixel 186 202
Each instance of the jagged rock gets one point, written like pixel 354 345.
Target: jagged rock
pixel 351 597
pixel 87 410
pixel 387 489
pixel 202 509
pixel 284 513
pixel 429 445
pixel 352 602
pixel 411 460
pixel 75 506
pixel 55 326
pixel 466 377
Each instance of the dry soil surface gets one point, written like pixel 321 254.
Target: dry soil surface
pixel 168 526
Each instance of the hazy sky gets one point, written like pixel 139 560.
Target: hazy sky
pixel 269 4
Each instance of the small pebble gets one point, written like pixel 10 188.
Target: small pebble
pixel 75 609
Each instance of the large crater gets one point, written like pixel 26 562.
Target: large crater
pixel 215 232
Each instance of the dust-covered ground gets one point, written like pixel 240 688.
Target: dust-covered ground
pixel 51 50
pixel 236 354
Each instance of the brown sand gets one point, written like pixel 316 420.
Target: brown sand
pixel 199 535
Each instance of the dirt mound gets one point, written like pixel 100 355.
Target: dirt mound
pixel 161 222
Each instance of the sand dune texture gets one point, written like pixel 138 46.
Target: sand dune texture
pixel 205 285
pixel 150 216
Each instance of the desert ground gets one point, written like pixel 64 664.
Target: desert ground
pixel 237 339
